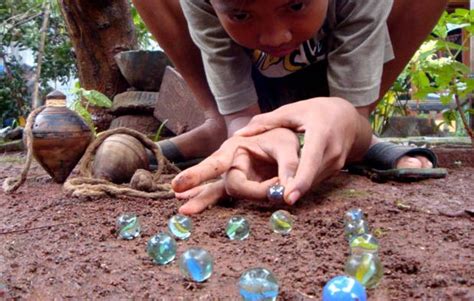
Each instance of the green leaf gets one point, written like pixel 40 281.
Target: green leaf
pixel 446 99
pixel 79 109
pixel 97 99
pixel 159 131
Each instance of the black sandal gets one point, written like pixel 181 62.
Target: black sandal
pixel 172 153
pixel 379 164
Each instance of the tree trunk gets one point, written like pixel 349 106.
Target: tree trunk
pixel 98 30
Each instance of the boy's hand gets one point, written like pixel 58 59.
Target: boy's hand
pixel 334 131
pixel 249 166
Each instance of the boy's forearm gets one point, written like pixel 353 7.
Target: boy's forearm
pixel 240 119
pixel 363 136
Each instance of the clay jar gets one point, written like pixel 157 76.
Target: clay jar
pixel 143 69
pixel 118 157
pixel 60 137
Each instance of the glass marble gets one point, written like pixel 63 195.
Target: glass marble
pixel 238 228
pixel 196 264
pixel 352 215
pixel 356 228
pixel 365 243
pixel 258 284
pixel 365 268
pixel 343 288
pixel 128 226
pixel 275 193
pixel 281 222
pixel 180 226
pixel 161 248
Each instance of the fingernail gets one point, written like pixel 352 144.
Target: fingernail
pixel 293 197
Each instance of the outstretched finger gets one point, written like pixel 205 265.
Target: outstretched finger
pixel 188 194
pixel 210 168
pixel 208 195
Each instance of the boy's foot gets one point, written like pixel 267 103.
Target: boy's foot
pixel 388 161
pixel 188 148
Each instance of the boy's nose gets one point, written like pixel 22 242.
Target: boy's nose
pixel 275 38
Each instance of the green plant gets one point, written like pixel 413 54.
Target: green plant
pixel 143 34
pixel 435 69
pixel 157 136
pixel 89 97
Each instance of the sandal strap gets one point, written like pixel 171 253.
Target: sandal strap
pixel 384 155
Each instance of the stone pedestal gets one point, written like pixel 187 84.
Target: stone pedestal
pixel 177 104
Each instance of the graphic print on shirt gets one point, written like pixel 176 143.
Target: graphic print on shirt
pixel 309 52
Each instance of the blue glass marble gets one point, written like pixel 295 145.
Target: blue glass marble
pixel 161 248
pixel 196 264
pixel 128 226
pixel 180 226
pixel 365 243
pixel 258 284
pixel 238 228
pixel 343 288
pixel 365 268
pixel 281 222
pixel 353 215
pixel 356 228
pixel 275 193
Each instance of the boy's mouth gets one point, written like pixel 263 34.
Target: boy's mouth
pixel 279 52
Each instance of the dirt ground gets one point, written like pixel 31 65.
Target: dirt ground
pixel 56 247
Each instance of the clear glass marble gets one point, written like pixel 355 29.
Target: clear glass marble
pixel 365 268
pixel 343 288
pixel 161 248
pixel 365 243
pixel 196 264
pixel 275 193
pixel 180 226
pixel 356 228
pixel 128 226
pixel 238 228
pixel 352 215
pixel 281 222
pixel 258 284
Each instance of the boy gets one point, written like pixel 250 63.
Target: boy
pixel 261 55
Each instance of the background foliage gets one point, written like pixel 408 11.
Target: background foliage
pixel 435 68
pixel 20 23
pixel 19 30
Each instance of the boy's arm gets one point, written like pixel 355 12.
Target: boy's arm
pixel 359 46
pixel 238 120
pixel 227 66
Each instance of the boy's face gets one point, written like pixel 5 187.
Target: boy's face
pixel 276 27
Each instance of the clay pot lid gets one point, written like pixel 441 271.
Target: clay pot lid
pixel 55 99
pixel 55 95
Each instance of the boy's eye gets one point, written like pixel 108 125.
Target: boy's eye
pixel 240 16
pixel 296 6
